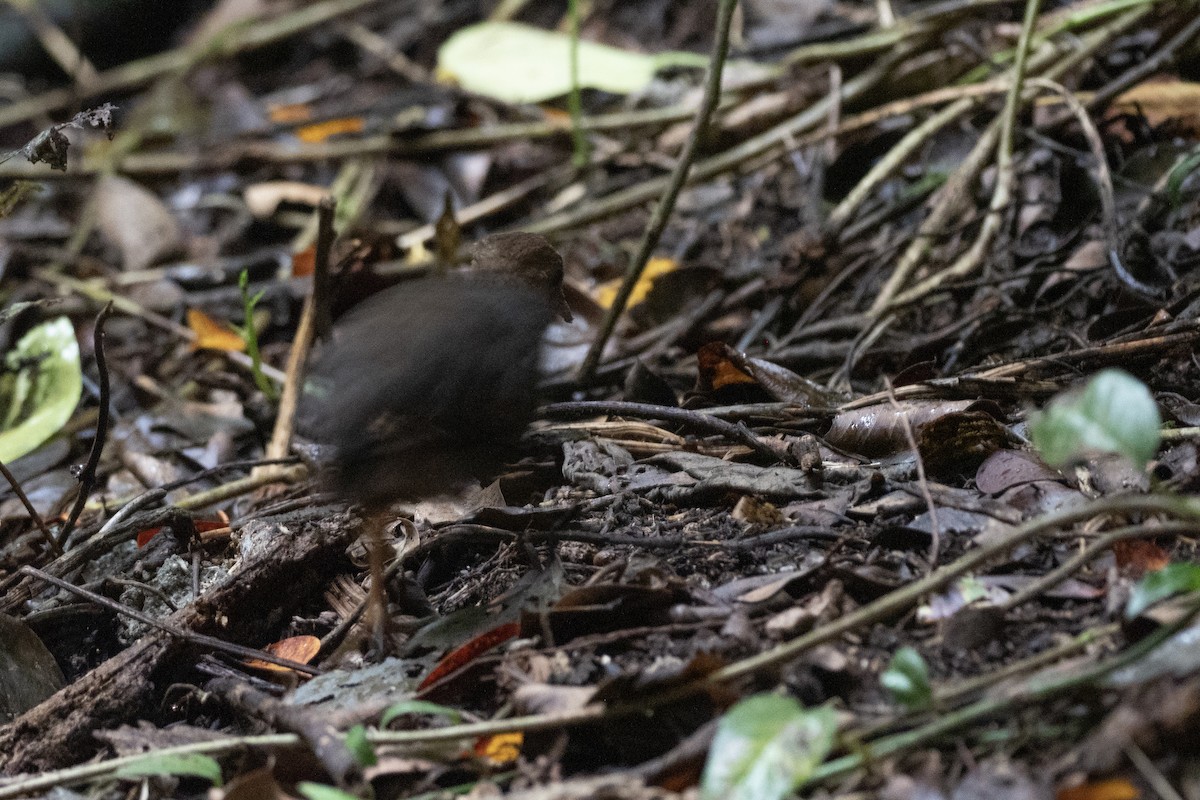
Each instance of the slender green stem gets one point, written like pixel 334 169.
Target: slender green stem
pixel 575 99
pixel 907 595
pixel 250 337
pixel 1051 683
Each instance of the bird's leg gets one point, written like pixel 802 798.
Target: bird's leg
pixel 377 599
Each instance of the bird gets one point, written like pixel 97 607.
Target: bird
pixel 424 387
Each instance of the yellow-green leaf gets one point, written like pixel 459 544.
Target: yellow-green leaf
pixel 765 747
pixel 522 64
pixel 1113 413
pixel 187 765
pixel 40 388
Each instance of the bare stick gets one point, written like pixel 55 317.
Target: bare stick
pixel 662 212
pixel 87 478
pixel 33 514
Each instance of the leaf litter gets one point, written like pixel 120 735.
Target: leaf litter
pixel 893 279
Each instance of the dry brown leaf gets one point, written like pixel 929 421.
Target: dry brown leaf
pixel 1160 101
pixel 264 198
pixel 1136 557
pixel 300 649
pixel 320 131
pixel 136 222
pixel 720 365
pixel 878 430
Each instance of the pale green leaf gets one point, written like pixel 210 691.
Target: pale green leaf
pixel 191 765
pixel 40 389
pixel 907 678
pixel 418 707
pixel 1180 173
pixel 1114 413
pixel 971 589
pixel 360 747
pixel 1173 579
pixel 766 746
pixel 321 791
pixel 518 63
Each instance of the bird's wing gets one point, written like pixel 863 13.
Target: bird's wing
pixel 459 353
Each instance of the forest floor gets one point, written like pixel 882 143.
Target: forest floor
pixel 882 484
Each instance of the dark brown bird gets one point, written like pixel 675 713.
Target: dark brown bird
pixel 427 385
pixel 424 384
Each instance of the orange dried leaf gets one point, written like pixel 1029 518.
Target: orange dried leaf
pixel 213 335
pixel 717 369
pixel 301 649
pixel 290 114
pixel 296 648
pixel 779 382
pixel 500 750
pixel 1139 556
pixel 1113 789
pixel 465 654
pixel 304 263
pixel 321 131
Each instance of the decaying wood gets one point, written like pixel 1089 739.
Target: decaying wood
pixel 305 552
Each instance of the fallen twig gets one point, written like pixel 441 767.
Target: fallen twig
pixel 87 477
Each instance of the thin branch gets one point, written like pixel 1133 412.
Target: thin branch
pixel 935 531
pixel 219 645
pixel 695 419
pixel 1050 683
pixel 87 478
pixel 910 593
pixel 33 513
pixel 230 42
pixel 954 193
pixel 666 205
pixel 313 318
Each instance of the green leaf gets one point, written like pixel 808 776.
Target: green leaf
pixel 1114 413
pixel 192 765
pixel 1173 579
pixel 320 791
pixel 518 63
pixel 1179 173
pixel 907 678
pixel 418 707
pixel 766 746
pixel 41 389
pixel 250 336
pixel 971 589
pixel 359 747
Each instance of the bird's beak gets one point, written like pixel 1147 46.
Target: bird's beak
pixel 558 301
